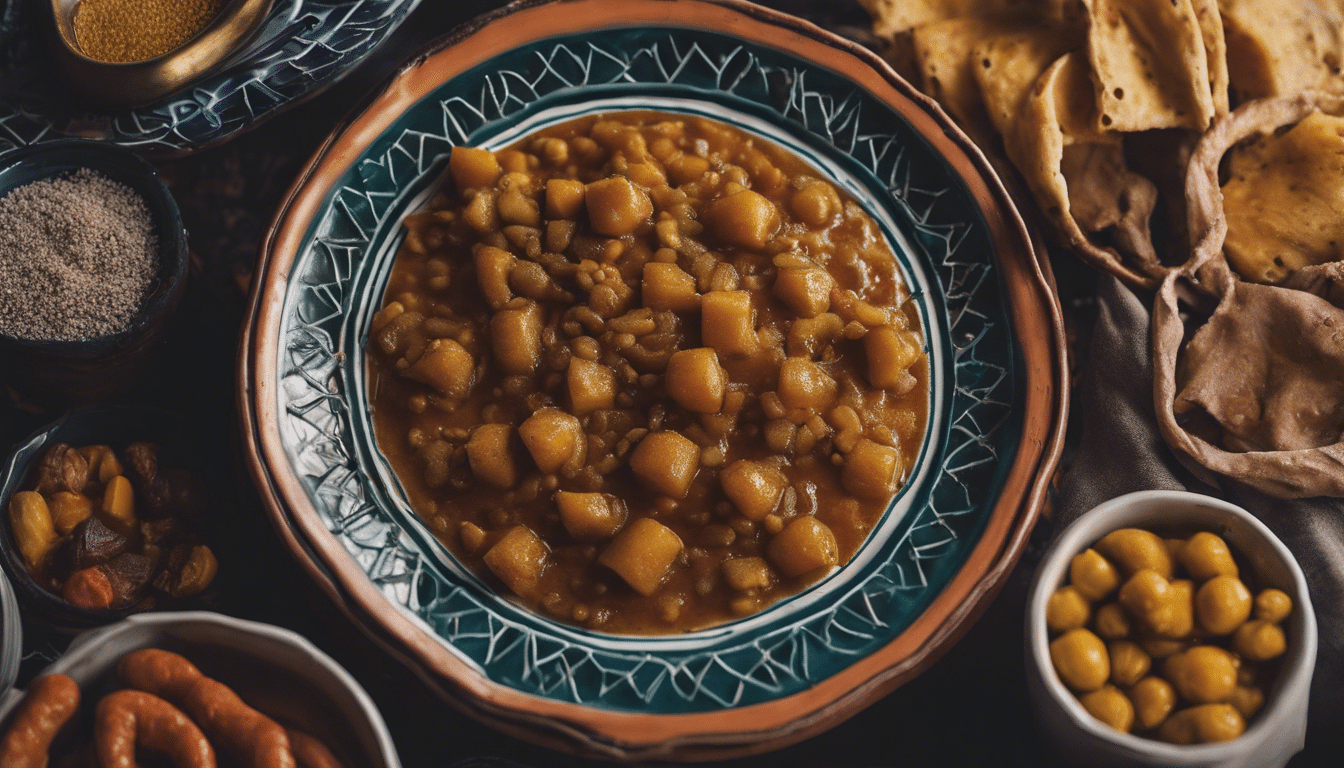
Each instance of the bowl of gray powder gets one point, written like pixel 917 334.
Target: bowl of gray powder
pixel 93 260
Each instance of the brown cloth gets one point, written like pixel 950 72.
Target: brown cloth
pixel 1121 451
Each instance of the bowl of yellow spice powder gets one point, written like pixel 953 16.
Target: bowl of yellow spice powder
pixel 130 52
pixel 93 260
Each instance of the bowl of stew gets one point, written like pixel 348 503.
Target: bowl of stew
pixel 709 381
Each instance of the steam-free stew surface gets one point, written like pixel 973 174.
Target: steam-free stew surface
pixel 646 372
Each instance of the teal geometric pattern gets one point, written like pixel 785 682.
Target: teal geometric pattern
pixel 303 45
pixel 340 269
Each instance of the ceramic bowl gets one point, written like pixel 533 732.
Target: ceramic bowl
pixel 1275 734
pixel 110 425
pixel 118 84
pixel 803 665
pixel 301 48
pixel 275 670
pixel 71 371
pixel 11 636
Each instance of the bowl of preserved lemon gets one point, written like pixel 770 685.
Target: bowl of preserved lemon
pixel 1170 628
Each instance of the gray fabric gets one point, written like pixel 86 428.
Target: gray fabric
pixel 1120 451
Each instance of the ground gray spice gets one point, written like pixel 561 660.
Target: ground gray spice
pixel 78 255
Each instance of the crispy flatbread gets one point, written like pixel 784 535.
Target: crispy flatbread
pixel 1278 408
pixel 943 54
pixel 1284 198
pixel 891 17
pixel 1215 52
pixel 1149 65
pixel 1056 125
pixel 1283 47
pixel 1258 394
pixel 1006 66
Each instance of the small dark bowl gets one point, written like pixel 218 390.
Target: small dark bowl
pixel 113 425
pixel 81 371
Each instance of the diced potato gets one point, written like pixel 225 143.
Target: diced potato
pixel 728 323
pixel 804 545
pixel 871 470
pixel 592 386
pixel 473 168
pixel 493 266
pixel 517 208
pixel 555 439
pixel 447 367
pixel 754 487
pixel 616 206
pixel 490 455
pixel 667 461
pixel 806 291
pixel 642 553
pixel 687 168
pixel 69 510
pixel 744 573
pixel 31 525
pixel 473 537
pixel 118 509
pixel 668 287
pixel 805 384
pixel 519 560
pixel 646 175
pixel 816 204
pixel 590 516
pixel 696 380
pixel 564 198
pixel 393 338
pixel 890 354
pixel 515 336
pixel 745 219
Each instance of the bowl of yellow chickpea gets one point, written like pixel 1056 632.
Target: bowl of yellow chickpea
pixel 1168 628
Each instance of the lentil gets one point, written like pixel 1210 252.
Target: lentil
pixel 78 255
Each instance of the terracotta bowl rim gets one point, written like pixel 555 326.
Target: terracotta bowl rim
pixel 1030 301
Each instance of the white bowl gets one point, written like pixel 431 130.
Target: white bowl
pixel 11 636
pixel 1275 734
pixel 92 657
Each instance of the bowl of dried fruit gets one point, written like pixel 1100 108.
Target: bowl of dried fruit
pixel 106 516
pixel 94 257
pixel 1168 628
pixel 215 688
pixel 679 404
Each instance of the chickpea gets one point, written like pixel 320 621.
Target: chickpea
pixel 1202 724
pixel 1153 698
pixel 1222 605
pixel 1273 605
pixel 1259 640
pixel 1110 706
pixel 1066 609
pixel 1080 658
pixel 1162 647
pixel 1112 622
pixel 1248 700
pixel 1205 555
pixel 1133 550
pixel 1093 575
pixel 1183 623
pixel 1149 598
pixel 1129 663
pixel 1203 674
